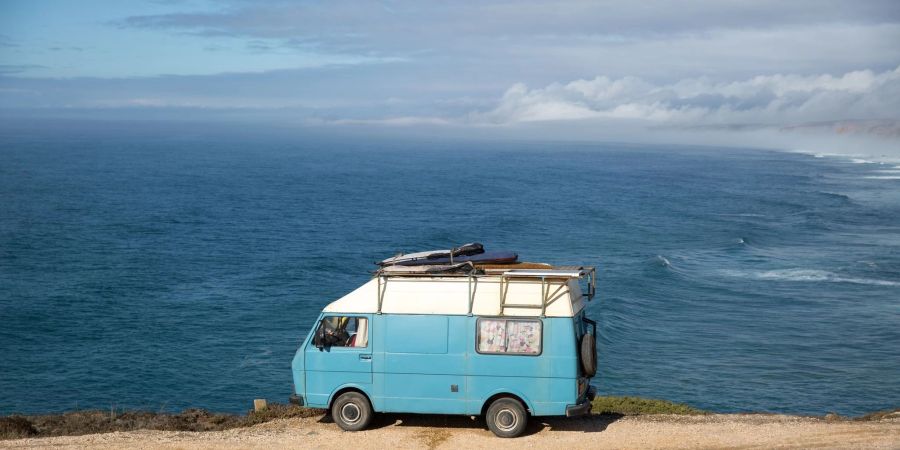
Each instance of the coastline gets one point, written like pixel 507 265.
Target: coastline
pixel 15 428
pixel 595 431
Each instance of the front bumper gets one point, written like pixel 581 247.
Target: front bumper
pixel 584 406
pixel 296 400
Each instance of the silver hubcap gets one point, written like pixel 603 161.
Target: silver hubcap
pixel 506 419
pixel 350 413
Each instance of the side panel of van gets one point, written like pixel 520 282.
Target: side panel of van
pixel 432 364
pixel 547 382
pixel 332 368
pixel 422 366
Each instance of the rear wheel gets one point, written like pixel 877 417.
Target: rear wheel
pixel 351 411
pixel 506 417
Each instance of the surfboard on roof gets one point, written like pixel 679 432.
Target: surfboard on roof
pixel 472 252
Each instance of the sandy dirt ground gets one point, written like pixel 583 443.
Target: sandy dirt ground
pixel 431 432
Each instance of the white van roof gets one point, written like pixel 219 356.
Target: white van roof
pixel 517 292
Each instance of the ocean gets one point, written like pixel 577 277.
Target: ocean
pixel 163 267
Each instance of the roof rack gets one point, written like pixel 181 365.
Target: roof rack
pixel 471 272
pixel 555 273
pixel 546 296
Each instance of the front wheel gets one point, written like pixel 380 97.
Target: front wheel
pixel 351 411
pixel 506 418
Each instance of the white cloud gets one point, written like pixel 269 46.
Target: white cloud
pixel 767 100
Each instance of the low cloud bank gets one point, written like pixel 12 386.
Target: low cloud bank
pixel 770 100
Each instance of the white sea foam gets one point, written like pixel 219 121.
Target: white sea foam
pixel 875 155
pixel 808 275
pixel 882 177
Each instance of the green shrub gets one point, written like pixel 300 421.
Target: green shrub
pixel 631 406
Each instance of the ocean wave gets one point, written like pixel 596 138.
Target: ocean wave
pixel 807 275
pixel 662 261
pixel 834 195
pixel 883 177
pixel 854 158
pixel 739 214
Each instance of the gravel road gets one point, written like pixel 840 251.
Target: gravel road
pixel 411 431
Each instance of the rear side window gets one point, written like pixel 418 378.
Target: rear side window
pixel 509 336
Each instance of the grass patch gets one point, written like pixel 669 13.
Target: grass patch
pixel 90 422
pixel 632 406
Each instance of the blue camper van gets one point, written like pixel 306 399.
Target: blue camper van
pixel 504 342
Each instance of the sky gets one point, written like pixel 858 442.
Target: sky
pixel 803 73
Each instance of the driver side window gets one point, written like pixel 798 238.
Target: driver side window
pixel 343 331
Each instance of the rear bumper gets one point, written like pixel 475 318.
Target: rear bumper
pixel 583 407
pixel 296 400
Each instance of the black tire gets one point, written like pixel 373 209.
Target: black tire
pixel 506 417
pixel 351 411
pixel 589 355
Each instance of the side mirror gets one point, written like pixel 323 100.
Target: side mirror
pixel 319 338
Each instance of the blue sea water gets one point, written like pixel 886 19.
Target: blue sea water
pixel 170 266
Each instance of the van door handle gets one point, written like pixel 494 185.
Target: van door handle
pixel 365 357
